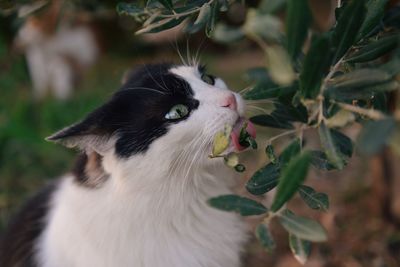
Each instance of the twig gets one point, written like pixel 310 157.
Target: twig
pixel 371 113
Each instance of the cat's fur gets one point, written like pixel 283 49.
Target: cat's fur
pixel 138 194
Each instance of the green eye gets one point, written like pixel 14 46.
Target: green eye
pixel 177 112
pixel 208 79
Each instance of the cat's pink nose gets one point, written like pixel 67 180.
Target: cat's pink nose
pixel 230 102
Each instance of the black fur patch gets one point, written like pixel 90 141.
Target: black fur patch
pixel 17 244
pixel 136 113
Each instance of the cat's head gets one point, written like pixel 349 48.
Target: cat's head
pixel 161 111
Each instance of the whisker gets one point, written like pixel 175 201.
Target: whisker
pixel 146 88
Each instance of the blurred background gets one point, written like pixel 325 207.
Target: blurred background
pixel 61 59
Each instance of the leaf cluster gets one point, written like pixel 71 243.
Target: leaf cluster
pixel 342 77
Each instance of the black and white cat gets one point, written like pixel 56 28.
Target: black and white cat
pixel 137 196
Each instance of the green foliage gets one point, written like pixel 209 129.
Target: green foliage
pixel 324 83
pixel 298 19
pixel 243 206
pixel 292 177
pixel 301 227
pixel 342 78
pixel 264 236
pixel 301 249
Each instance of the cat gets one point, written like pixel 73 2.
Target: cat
pixel 138 193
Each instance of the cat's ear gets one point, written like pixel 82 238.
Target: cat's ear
pixel 86 135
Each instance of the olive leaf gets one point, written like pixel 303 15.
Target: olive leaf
pixel 302 227
pixel 265 238
pixel 292 177
pixel 242 205
pixel 315 200
pixel 301 249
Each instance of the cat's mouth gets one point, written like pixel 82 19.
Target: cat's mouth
pixel 240 124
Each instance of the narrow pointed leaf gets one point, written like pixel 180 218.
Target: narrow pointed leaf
pixel 331 149
pixel 315 200
pixel 161 25
pixel 315 66
pixel 301 249
pixel 263 180
pixel 204 14
pixel 242 205
pixel 263 91
pixel 167 4
pixel 375 49
pixel 374 135
pixel 292 177
pixel 360 78
pixel 212 21
pixel 265 238
pixel 298 19
pixel 374 14
pixel 302 227
pixel 292 150
pixel 270 121
pixel 279 65
pixel 361 92
pixel 348 25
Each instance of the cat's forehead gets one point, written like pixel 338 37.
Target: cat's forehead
pixel 166 78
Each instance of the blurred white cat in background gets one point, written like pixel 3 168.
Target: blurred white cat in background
pixel 57 50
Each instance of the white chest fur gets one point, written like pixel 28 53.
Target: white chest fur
pixel 110 226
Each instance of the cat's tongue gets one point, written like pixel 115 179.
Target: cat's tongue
pixel 235 134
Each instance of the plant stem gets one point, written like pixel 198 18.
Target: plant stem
pixel 371 113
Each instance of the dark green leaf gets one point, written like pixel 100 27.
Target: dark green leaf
pixel 263 91
pixel 361 93
pixel 347 27
pixel 284 112
pixel 263 180
pixel 343 143
pixel 375 49
pixel 204 14
pixel 320 161
pixel 269 150
pixel 374 135
pixel 331 149
pixel 298 19
pixel 292 177
pixel 315 67
pixel 227 34
pixel 265 238
pixel 161 25
pixel 301 227
pixel 301 249
pixel 360 78
pixel 292 150
pixel 167 4
pixel 270 121
pixel 242 205
pixel 375 12
pixel 213 18
pixel 315 200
